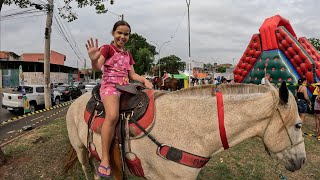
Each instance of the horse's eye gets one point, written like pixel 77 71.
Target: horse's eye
pixel 299 125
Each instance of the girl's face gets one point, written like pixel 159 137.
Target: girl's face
pixel 121 36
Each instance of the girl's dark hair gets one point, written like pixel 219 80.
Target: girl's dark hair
pixel 300 81
pixel 120 23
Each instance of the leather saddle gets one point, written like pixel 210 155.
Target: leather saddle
pixel 167 80
pixel 132 99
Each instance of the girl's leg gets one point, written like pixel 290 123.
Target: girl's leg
pixel 317 117
pixel 318 124
pixel 111 105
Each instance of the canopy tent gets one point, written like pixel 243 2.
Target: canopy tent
pixel 180 76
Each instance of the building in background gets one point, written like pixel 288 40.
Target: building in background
pixel 32 66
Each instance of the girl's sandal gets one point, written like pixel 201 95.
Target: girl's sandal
pixel 102 174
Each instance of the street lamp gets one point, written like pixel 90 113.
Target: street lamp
pixel 159 53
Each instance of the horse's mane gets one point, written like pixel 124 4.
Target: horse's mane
pixel 242 88
pixel 205 90
pixel 209 90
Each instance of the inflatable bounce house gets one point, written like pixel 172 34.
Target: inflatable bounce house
pixel 278 51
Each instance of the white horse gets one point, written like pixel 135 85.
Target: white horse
pixel 188 120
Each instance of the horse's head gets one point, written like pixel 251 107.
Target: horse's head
pixel 283 135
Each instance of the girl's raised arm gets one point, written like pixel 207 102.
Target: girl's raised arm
pixel 97 60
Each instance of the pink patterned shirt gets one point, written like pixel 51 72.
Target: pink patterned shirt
pixel 117 65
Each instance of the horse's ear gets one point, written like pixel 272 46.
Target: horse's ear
pixel 283 93
pixel 269 85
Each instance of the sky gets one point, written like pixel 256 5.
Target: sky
pixel 220 30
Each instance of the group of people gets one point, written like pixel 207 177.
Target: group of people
pixel 304 103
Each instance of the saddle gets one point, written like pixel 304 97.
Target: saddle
pixel 132 98
pixel 167 80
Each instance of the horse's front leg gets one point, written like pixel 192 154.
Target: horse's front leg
pixel 93 166
pixel 82 154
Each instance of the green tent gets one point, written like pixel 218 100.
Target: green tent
pixel 180 76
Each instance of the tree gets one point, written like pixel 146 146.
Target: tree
pixel 209 66
pixel 144 59
pixel 172 64
pixel 66 11
pixel 142 52
pixel 221 69
pixel 315 42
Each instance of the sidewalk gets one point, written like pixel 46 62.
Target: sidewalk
pixel 5 90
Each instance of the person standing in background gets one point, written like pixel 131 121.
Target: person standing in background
pixel 317 109
pixel 267 76
pixel 303 100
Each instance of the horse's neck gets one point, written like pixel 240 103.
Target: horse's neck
pixel 246 119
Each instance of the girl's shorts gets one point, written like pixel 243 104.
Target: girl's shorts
pixel 302 106
pixel 107 90
pixel 108 86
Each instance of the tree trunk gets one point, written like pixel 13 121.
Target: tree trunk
pixel 3 157
pixel 1 3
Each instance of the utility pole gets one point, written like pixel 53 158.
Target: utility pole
pixel 47 37
pixel 188 5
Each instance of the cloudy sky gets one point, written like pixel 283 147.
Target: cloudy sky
pixel 220 30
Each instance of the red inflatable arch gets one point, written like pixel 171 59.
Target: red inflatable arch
pixel 267 31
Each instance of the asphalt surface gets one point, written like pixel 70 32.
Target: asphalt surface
pixel 4 114
pixel 13 129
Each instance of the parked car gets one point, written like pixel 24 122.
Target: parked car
pixel 79 85
pixel 90 86
pixel 13 101
pixel 65 93
pixel 55 85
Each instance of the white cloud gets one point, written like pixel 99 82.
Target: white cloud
pixel 219 29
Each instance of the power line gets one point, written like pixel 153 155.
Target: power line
pixel 66 34
pixel 20 13
pixel 184 14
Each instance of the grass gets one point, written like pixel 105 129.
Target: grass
pixel 41 154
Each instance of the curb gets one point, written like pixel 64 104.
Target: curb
pixel 311 135
pixel 36 112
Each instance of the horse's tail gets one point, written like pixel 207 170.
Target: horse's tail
pixel 71 159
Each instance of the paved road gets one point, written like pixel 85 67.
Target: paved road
pixel 13 129
pixel 4 114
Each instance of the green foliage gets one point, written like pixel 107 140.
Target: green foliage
pixel 208 66
pixel 66 11
pixel 171 64
pixel 142 52
pixel 144 59
pixel 315 42
pixel 221 69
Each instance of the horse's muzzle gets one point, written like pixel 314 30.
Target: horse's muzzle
pixel 295 164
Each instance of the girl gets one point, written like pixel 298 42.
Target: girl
pixel 117 68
